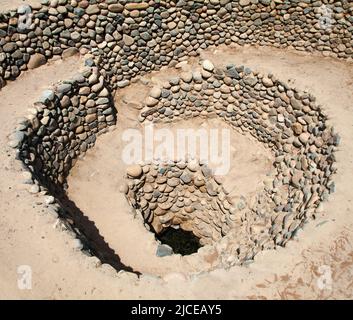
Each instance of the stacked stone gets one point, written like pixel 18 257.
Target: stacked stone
pixel 132 38
pixel 127 39
pixel 287 121
pixel 63 124
pixel 181 195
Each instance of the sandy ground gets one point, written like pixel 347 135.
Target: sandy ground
pixel 323 249
pixel 14 4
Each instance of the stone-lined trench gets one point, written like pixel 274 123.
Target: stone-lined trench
pixel 123 40
pixel 185 195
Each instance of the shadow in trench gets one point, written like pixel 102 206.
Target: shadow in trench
pixel 96 243
pixel 84 228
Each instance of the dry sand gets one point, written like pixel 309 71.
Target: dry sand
pixel 29 235
pixel 14 4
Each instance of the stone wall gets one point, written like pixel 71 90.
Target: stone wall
pixel 284 119
pixel 179 194
pixel 133 38
pixel 63 124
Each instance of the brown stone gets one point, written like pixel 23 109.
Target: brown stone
pixel 36 61
pixel 69 52
pixel 91 117
pixel 116 8
pixel 134 171
pixel 136 6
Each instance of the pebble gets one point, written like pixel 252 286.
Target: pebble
pixel 134 171
pixel 116 8
pixel 244 2
pixel 173 182
pixel 297 128
pixel 164 250
pixel 36 61
pixel 208 65
pixel 128 41
pixel 16 139
pixel 92 9
pixel 77 244
pixel 49 200
pixel 186 178
pixel 267 82
pixel 34 189
pixel 136 6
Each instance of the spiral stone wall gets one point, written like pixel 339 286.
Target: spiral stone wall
pixel 64 123
pixel 124 39
pixel 287 121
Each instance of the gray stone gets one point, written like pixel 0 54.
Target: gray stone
pixel 63 88
pixel 17 54
pixel 16 139
pixel 2 57
pixel 123 83
pixel 168 112
pixel 295 104
pixel 101 101
pixel 174 81
pixel 9 47
pixel 197 76
pixel 186 177
pixel 251 81
pixel 232 72
pixel 47 32
pixel 146 36
pixel 164 250
pixel 77 244
pixel 76 36
pixel 47 95
pixel 49 200
pixel 79 12
pixel 34 189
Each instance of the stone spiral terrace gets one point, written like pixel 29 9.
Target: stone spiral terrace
pixel 120 45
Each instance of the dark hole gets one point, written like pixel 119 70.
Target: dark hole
pixel 182 242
